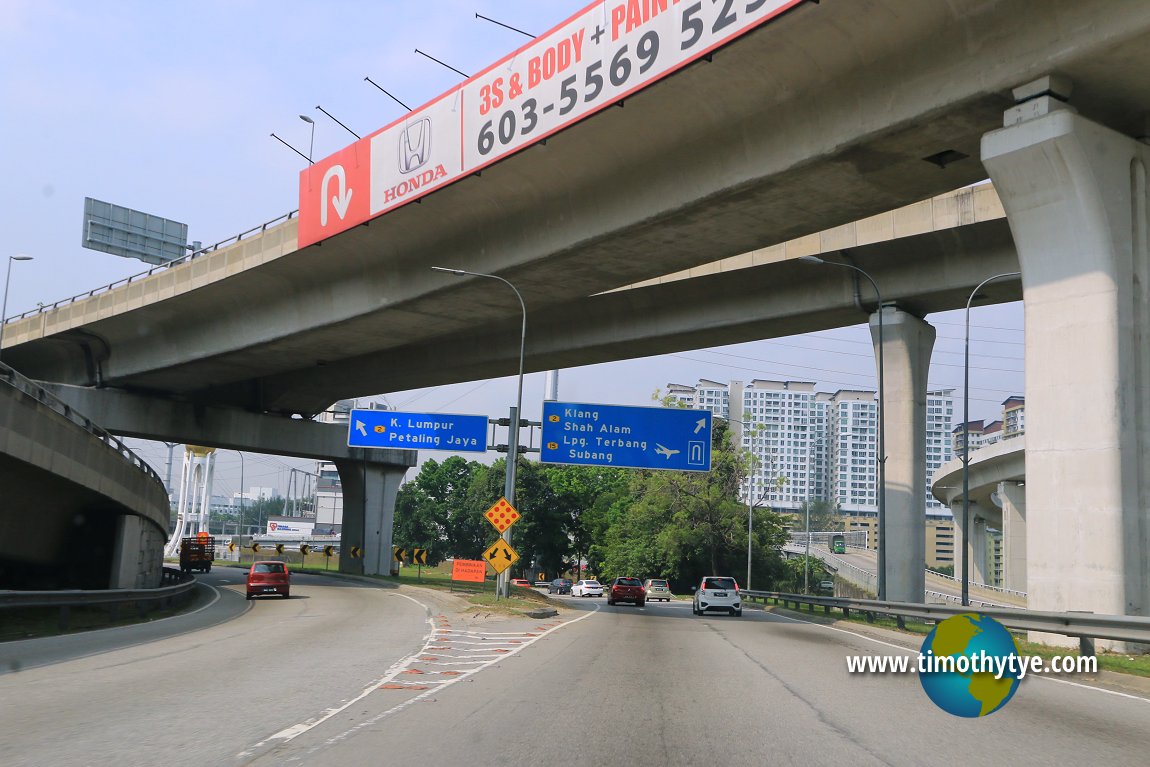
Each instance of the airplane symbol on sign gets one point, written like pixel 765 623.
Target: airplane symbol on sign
pixel 665 451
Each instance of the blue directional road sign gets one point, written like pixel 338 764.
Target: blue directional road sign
pixel 419 431
pixel 635 437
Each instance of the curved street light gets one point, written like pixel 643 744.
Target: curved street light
pixel 311 144
pixel 881 452
pixel 4 305
pixel 504 582
pixel 966 439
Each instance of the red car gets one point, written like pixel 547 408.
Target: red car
pixel 627 590
pixel 269 578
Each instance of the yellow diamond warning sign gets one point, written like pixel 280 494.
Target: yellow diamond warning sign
pixel 500 555
pixel 502 515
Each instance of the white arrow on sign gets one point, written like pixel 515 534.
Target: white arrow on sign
pixel 702 424
pixel 359 427
pixel 340 200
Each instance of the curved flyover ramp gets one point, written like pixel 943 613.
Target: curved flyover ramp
pixel 77 508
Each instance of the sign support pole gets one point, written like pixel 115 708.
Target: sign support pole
pixel 504 581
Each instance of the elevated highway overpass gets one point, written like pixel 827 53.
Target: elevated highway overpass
pixel 829 114
pixel 805 124
pixel 78 510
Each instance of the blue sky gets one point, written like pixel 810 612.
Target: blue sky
pixel 168 107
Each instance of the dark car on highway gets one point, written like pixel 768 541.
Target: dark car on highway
pixel 559 586
pixel 627 589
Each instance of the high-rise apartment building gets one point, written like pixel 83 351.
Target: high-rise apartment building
pixel 809 445
pixel 1012 424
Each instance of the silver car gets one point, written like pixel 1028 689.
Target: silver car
pixel 658 588
pixel 717 592
pixel 587 589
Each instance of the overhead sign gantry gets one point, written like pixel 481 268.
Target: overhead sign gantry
pixel 595 59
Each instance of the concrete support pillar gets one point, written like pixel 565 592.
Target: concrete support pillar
pixel 907 344
pixel 126 553
pixel 956 510
pixel 978 548
pixel 1013 497
pixel 137 554
pixel 976 545
pixel 1075 194
pixel 369 491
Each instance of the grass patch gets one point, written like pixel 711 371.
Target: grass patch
pixel 882 621
pixel 35 622
pixel 1137 665
pixel 480 595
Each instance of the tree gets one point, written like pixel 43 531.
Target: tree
pixel 582 495
pixel 824 515
pixel 431 511
pixel 683 525
pixel 796 572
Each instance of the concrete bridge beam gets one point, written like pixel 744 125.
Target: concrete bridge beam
pixel 370 478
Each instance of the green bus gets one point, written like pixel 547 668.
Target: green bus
pixel 837 544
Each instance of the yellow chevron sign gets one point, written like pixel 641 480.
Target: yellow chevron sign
pixel 500 555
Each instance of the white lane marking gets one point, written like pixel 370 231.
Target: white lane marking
pixel 290 733
pixel 461 657
pixel 1091 687
pixel 490 634
pixel 916 652
pixel 392 671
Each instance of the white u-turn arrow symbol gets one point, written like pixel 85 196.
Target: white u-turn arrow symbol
pixel 340 200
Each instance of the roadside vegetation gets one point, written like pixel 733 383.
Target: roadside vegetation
pixel 674 525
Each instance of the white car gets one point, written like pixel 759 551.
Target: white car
pixel 587 589
pixel 717 592
pixel 658 588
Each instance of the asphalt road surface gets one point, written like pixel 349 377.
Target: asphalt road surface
pixel 344 675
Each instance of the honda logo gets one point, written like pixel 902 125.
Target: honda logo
pixel 415 145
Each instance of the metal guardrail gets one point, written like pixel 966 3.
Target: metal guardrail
pixel 46 398
pixel 869 580
pixel 1085 626
pixel 179 589
pixel 179 584
pixel 157 268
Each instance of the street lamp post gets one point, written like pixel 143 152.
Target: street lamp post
pixel 807 558
pixel 241 455
pixel 504 582
pixel 881 453
pixel 750 499
pixel 311 143
pixel 4 306
pixel 966 439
